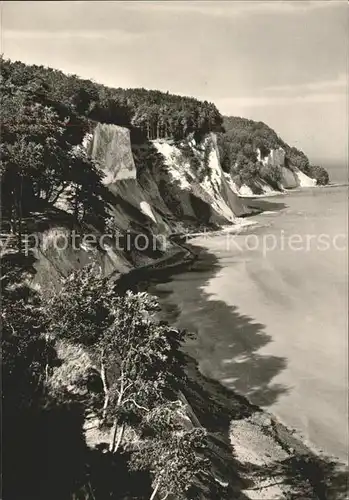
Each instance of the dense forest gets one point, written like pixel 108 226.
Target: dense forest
pixel 41 154
pixel 131 385
pixel 157 114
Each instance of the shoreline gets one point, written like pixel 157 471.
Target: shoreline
pixel 292 430
pixel 180 259
pixel 274 451
pixel 295 433
pixel 286 192
pixel 270 459
pixel 259 440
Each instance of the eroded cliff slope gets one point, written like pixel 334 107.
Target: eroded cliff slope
pixel 187 190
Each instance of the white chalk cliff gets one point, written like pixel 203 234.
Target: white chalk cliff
pixel 291 178
pixel 187 189
pixel 177 193
pixel 199 188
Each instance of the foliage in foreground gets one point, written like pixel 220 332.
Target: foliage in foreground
pixel 138 407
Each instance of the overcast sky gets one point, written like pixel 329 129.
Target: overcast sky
pixel 285 63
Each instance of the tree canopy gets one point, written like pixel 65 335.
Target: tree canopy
pixel 41 158
pixel 157 114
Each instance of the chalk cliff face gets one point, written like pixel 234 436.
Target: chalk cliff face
pixel 303 180
pixel 110 145
pixel 190 186
pixel 197 184
pixel 187 189
pixel 290 177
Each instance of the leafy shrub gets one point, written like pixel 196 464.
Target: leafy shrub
pixel 320 174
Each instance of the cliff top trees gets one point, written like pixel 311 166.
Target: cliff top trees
pixel 240 141
pixel 157 114
pixel 39 154
pixel 296 158
pixel 150 114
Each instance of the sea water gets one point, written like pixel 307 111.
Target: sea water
pixel 269 310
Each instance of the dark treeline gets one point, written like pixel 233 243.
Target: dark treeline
pixel 42 161
pixel 157 114
pixel 238 147
pixel 243 137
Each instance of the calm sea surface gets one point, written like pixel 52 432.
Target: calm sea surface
pixel 272 323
